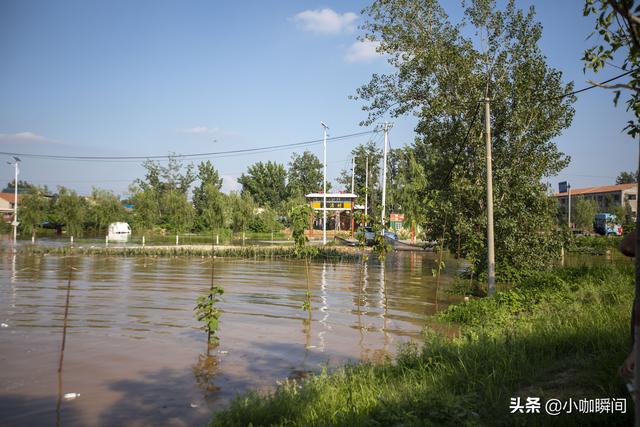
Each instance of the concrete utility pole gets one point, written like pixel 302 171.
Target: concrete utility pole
pixel 636 309
pixel 366 187
pixel 491 262
pixel 15 222
pixel 569 200
pixel 353 173
pixel 324 186
pixel 386 128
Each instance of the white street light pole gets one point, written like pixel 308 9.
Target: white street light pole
pixel 15 222
pixel 324 186
pixel 366 187
pixel 353 173
pixel 386 128
pixel 569 200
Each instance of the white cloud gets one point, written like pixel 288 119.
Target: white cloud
pixel 199 130
pixel 24 137
pixel 230 183
pixel 362 51
pixel 325 21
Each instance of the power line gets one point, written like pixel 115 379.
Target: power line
pixel 584 89
pixel 194 156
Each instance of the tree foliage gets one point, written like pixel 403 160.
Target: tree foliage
pixel 69 209
pixel 584 212
pixel 32 209
pixel 617 29
pixel 208 200
pixel 265 182
pixel 103 208
pixel 305 174
pixel 360 155
pixel 625 177
pixel 242 207
pixel 440 75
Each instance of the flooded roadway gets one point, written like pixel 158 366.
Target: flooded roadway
pixel 135 353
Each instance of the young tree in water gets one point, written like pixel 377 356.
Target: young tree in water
pixel 440 76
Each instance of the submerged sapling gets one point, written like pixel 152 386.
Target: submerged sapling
pixel 208 313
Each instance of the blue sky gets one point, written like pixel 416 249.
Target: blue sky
pixel 149 77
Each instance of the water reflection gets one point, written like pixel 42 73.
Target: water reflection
pixel 131 320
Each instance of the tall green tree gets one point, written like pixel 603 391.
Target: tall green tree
pixel 103 208
pixel 305 174
pixel 242 209
pixel 24 187
pixel 266 183
pixel 177 212
pixel 32 210
pixel 208 200
pixel 163 183
pixel 625 177
pixel 441 73
pixel 583 213
pixel 69 209
pixel 146 208
pixel 360 154
pixel 172 176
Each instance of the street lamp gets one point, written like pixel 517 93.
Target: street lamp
pixel 15 222
pixel 324 186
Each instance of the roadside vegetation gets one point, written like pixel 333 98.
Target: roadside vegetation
pixel 560 334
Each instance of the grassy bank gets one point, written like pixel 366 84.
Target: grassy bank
pixel 263 252
pixel 594 245
pixel 556 335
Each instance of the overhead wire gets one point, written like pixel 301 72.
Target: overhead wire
pixel 194 156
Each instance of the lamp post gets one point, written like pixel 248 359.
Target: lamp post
pixel 324 186
pixel 15 222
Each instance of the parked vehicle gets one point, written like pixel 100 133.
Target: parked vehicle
pixel 369 235
pixel 606 224
pixel 119 231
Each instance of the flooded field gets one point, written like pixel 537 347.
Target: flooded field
pixel 135 353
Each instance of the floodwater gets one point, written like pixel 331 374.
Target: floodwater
pixel 134 351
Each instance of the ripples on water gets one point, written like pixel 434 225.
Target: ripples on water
pixel 137 356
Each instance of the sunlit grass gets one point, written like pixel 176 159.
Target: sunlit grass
pixel 557 335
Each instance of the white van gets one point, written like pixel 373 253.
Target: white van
pixel 119 231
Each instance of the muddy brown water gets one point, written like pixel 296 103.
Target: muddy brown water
pixel 134 351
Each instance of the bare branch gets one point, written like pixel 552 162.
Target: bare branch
pixel 615 86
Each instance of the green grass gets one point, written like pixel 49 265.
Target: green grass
pixel 262 252
pixel 594 245
pixel 554 335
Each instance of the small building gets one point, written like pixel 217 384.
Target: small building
pixel 7 205
pixel 340 208
pixel 605 196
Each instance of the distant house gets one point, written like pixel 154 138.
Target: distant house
pixel 7 205
pixel 605 195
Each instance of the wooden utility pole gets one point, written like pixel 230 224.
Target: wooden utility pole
pixel 491 263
